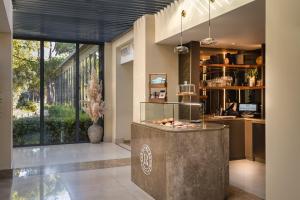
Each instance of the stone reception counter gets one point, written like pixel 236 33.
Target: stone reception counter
pixel 176 163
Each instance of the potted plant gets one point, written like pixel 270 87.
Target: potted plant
pixel 251 76
pixel 94 107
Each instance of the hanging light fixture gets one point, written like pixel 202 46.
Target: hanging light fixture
pixel 209 40
pixel 181 49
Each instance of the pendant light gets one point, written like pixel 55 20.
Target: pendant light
pixel 181 49
pixel 209 40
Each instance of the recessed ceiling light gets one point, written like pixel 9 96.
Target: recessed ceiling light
pixel 233 43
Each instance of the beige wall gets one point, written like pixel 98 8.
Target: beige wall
pixel 283 99
pixel 161 59
pixel 139 66
pixel 6 85
pixel 168 20
pixel 124 100
pixel 113 129
pixel 151 58
pixel 108 117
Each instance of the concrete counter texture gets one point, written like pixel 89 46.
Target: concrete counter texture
pixel 173 165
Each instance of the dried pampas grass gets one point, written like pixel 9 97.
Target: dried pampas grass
pixel 94 106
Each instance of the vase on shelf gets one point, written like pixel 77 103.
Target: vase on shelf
pixel 251 81
pixel 259 60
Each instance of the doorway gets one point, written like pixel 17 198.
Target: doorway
pixel 124 90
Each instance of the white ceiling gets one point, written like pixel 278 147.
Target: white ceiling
pixel 242 28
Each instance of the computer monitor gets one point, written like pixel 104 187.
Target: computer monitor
pixel 246 107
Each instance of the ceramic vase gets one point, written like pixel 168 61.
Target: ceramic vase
pixel 95 133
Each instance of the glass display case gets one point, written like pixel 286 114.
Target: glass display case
pixel 172 114
pixel 188 89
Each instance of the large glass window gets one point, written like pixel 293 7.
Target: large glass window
pixel 59 112
pixel 50 91
pixel 26 92
pixel 89 63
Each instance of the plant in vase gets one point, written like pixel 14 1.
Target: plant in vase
pixel 94 107
pixel 251 76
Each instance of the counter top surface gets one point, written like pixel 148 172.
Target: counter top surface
pixel 200 127
pixel 253 120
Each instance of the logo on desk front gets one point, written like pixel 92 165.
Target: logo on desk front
pixel 146 159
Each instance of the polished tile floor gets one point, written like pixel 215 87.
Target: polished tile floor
pixel 107 184
pixel 248 176
pixel 62 154
pixel 79 172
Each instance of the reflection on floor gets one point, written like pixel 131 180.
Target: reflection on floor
pixel 107 184
pixel 248 176
pixel 70 153
pixel 103 179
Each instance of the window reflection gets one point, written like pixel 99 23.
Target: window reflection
pixel 49 187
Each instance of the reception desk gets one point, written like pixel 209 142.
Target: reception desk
pixel 246 137
pixel 175 163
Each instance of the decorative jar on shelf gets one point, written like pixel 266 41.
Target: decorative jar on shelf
pixel 251 80
pixel 259 60
pixel 259 83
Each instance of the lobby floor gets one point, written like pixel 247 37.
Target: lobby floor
pixel 108 183
pixel 87 171
pixel 69 153
pixel 248 176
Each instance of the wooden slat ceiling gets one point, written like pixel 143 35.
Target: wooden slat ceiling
pixel 79 20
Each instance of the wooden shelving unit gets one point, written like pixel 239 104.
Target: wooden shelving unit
pixel 186 94
pixel 231 66
pixel 234 88
pixel 220 94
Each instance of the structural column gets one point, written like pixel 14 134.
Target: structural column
pixel 6 101
pixel 5 86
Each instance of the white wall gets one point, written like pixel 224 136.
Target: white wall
pixel 5 85
pixel 283 99
pixel 151 58
pixel 168 20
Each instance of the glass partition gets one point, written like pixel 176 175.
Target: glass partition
pixel 89 63
pixel 59 92
pixel 26 92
